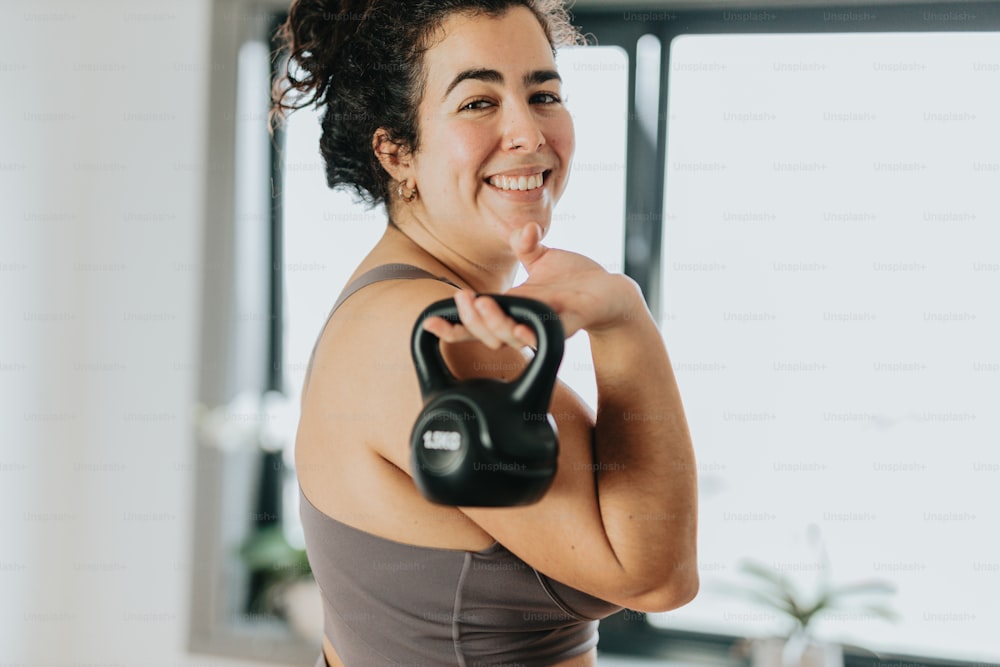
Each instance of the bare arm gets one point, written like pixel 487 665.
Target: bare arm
pixel 621 518
pixel 646 478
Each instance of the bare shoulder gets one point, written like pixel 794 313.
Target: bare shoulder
pixel 370 333
pixel 362 400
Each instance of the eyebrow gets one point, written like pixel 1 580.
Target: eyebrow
pixel 493 76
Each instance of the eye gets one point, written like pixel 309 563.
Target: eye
pixel 476 105
pixel 546 98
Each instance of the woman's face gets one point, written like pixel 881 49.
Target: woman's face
pixel 495 139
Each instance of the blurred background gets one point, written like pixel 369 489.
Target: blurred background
pixel 805 191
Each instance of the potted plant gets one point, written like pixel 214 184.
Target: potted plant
pixel 284 584
pixel 798 646
pixel 288 589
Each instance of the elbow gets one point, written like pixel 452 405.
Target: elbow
pixel 676 592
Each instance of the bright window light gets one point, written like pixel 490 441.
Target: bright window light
pixel 830 281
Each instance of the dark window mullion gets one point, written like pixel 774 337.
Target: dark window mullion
pixel 268 509
pixel 275 370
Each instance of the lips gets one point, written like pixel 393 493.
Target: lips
pixel 518 181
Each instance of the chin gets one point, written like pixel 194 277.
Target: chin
pixel 517 221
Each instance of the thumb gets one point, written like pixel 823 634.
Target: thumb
pixel 526 243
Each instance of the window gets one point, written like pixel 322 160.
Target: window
pixel 829 289
pixel 237 482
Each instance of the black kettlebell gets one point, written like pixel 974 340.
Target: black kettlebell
pixel 483 442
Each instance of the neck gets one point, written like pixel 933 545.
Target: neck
pixel 482 272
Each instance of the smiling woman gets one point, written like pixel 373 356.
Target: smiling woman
pixel 451 114
pixel 482 92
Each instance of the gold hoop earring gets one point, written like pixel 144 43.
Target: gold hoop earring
pixel 406 197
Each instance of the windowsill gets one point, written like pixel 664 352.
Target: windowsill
pixel 635 642
pixel 628 639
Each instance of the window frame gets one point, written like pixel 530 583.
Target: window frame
pixel 629 633
pixel 644 187
pixel 221 489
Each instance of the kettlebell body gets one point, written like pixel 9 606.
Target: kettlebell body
pixel 483 442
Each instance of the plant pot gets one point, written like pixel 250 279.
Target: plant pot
pixel 303 608
pixel 796 651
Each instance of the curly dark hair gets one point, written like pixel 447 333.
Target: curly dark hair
pixel 361 62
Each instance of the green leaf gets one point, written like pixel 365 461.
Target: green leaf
pixel 765 598
pixel 778 593
pixel 764 572
pixel 782 585
pixel 784 605
pixel 267 549
pixel 807 615
pixel 863 587
pixel 882 612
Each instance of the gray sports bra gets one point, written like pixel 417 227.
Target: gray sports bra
pixel 391 603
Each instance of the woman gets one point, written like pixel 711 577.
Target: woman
pixel 450 114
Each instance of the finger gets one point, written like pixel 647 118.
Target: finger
pixel 526 335
pixel 526 242
pixel 446 330
pixel 449 332
pixel 571 321
pixel 474 322
pixel 502 325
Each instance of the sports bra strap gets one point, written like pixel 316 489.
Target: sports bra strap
pixel 397 271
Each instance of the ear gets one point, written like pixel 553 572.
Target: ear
pixel 394 158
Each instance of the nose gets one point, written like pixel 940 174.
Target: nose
pixel 522 129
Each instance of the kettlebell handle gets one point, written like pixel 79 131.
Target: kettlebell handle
pixel 534 388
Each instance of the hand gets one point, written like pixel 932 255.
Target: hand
pixel 483 320
pixel 579 290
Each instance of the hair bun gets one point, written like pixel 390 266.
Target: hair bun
pixel 314 37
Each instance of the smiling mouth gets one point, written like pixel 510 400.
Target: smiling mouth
pixel 518 183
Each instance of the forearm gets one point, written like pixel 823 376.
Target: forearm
pixel 646 477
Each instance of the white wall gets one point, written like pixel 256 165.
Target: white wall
pixel 102 135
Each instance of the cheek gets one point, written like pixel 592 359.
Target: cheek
pixel 562 137
pixel 563 142
pixel 463 151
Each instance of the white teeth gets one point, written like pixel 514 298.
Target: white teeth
pixel 517 182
